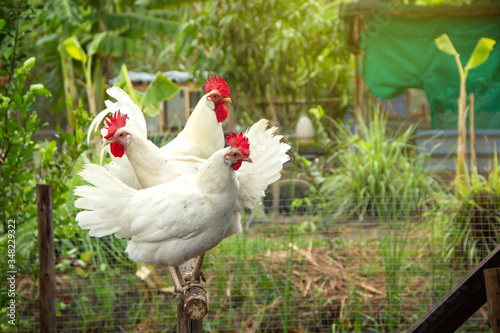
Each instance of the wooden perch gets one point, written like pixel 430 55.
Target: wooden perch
pixel 193 305
pixel 195 301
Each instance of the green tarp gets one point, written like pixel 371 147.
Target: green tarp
pixel 400 53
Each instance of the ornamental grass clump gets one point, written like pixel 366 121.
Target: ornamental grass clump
pixel 379 173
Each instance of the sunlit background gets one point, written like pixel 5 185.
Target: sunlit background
pixel 376 216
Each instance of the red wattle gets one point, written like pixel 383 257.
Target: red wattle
pixel 236 166
pixel 221 111
pixel 117 149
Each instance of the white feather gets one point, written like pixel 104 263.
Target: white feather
pixel 268 155
pixel 201 137
pixel 126 105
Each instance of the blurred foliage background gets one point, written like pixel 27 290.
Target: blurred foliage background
pixel 56 60
pixel 268 50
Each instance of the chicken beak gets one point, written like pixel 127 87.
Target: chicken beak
pixel 227 100
pixel 247 159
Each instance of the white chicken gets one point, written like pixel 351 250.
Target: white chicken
pixel 141 164
pixel 170 223
pixel 149 163
pixel 201 136
pixel 153 167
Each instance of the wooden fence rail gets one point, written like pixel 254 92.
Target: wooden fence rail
pixel 460 303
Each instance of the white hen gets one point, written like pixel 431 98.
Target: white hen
pixel 149 163
pixel 170 223
pixel 201 137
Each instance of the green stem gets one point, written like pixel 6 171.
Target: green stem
pixel 462 126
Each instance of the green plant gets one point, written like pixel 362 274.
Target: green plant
pixel 159 90
pixel 480 54
pixel 57 164
pixel 378 172
pixel 19 120
pixel 477 219
pixel 471 218
pixel 273 49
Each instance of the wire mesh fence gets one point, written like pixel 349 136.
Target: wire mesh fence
pixel 307 269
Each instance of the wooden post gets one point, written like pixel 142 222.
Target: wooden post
pixel 46 259
pixel 192 306
pixel 492 282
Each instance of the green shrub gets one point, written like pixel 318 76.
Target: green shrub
pixel 379 172
pixel 472 217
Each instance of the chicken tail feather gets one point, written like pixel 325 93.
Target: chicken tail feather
pixel 104 202
pixel 268 154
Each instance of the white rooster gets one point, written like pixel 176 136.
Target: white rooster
pixel 170 223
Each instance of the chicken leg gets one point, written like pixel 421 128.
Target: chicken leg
pixel 197 268
pixel 179 283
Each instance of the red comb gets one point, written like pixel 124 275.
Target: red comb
pixel 240 142
pixel 216 82
pixel 115 122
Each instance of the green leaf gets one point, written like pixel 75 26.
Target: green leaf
pixel 29 63
pixel 481 53
pixel 159 90
pixel 74 49
pixel 85 256
pixel 445 45
pixel 39 89
pixel 96 41
pixel 151 110
pixel 318 112
pixel 2 23
pixel 126 84
pixel 69 138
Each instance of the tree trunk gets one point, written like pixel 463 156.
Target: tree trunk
pixel 91 99
pixel 69 85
